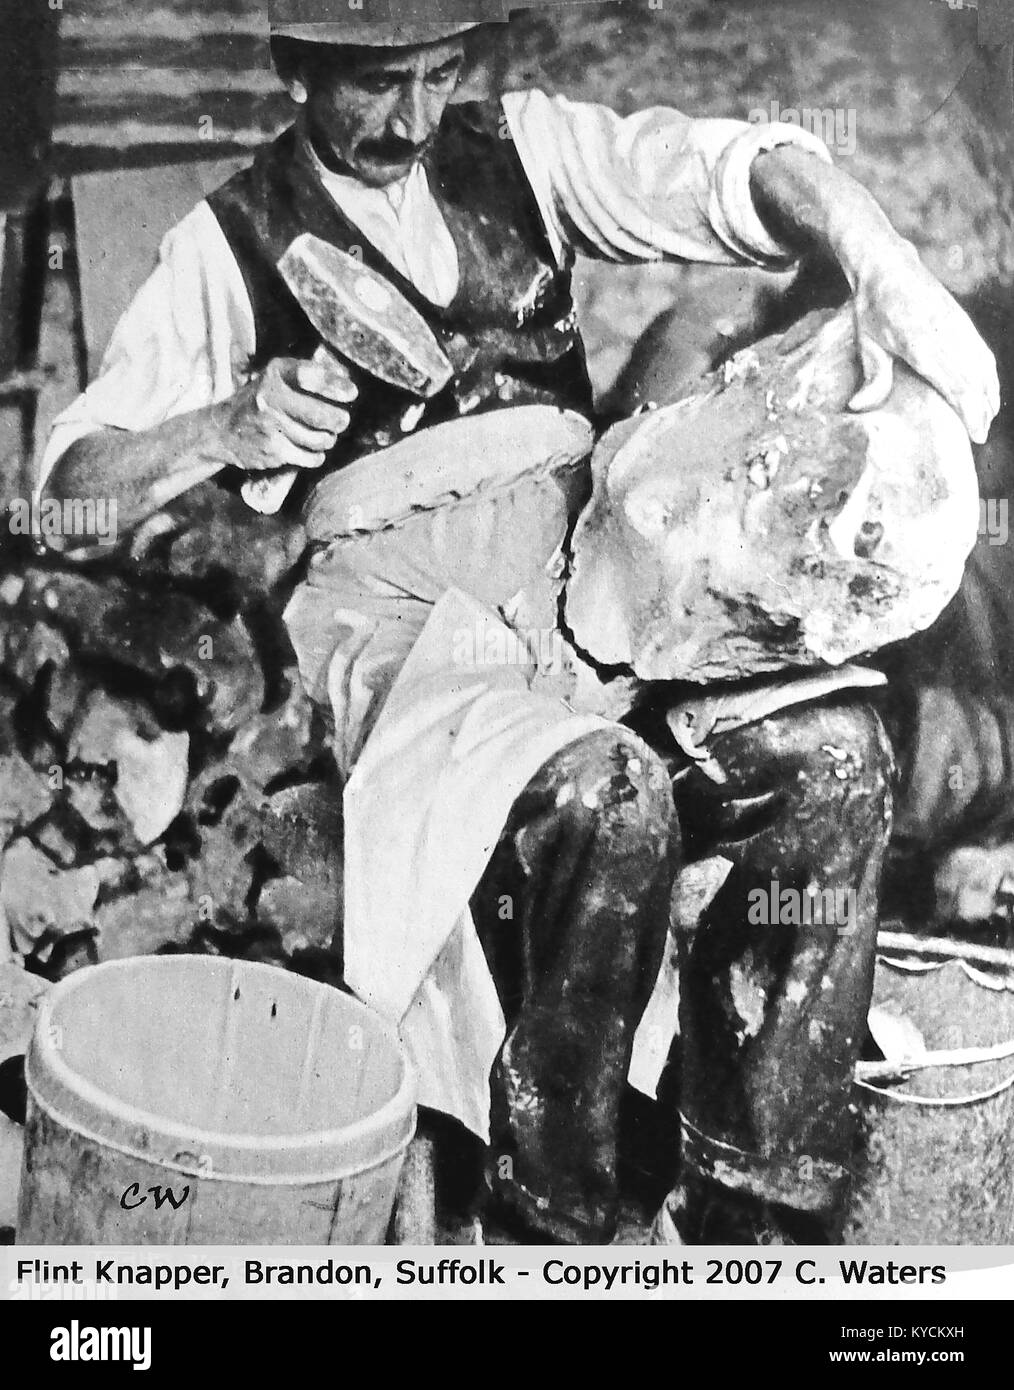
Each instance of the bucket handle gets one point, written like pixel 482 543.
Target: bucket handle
pixel 940 1102
pixel 960 1057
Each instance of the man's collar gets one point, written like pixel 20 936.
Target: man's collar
pixel 393 193
pixel 342 176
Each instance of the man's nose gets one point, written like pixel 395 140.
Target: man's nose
pixel 411 119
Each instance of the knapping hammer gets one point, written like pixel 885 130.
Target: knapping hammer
pixel 364 321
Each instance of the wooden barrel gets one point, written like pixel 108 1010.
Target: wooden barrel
pixel 276 1110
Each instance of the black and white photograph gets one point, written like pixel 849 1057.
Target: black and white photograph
pixel 506 641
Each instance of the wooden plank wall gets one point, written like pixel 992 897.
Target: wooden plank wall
pixel 152 75
pixel 143 80
pixel 137 76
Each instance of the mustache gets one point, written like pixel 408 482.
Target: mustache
pixel 392 151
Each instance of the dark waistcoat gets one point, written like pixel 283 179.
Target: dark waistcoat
pixel 509 332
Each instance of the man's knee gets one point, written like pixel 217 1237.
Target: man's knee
pixel 829 751
pixel 612 780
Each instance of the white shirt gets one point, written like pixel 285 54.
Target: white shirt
pixel 657 185
pixel 405 223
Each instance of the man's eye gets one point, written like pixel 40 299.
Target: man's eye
pixel 441 76
pixel 377 83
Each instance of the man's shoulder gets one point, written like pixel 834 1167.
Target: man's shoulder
pixel 474 143
pixel 260 168
pixel 197 230
pixel 479 120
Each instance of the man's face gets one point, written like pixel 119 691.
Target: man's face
pixel 379 113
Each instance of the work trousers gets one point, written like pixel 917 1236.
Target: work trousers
pixel 573 914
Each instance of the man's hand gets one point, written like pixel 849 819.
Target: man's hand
pixel 902 310
pixel 289 416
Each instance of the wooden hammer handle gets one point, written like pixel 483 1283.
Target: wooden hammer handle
pixel 267 491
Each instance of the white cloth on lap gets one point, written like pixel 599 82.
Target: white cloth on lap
pixel 455 745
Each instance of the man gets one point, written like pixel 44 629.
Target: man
pixel 567 822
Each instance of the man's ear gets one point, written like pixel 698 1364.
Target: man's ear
pixel 296 86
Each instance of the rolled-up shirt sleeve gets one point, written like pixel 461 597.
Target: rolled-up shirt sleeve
pixel 184 342
pixel 657 185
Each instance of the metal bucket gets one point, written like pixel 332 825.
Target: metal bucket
pixel 938 1167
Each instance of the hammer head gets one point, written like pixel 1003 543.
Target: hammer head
pixel 363 318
